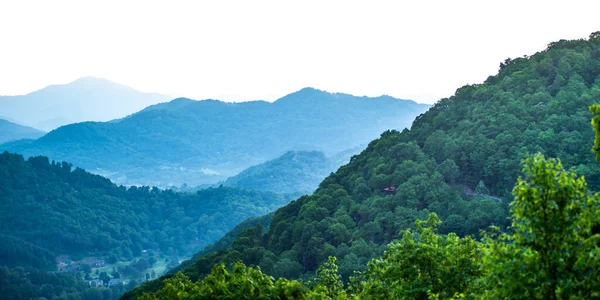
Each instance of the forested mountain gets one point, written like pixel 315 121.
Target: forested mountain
pixel 85 99
pixel 50 210
pixel 293 172
pixel 459 160
pixel 196 142
pixel 70 211
pixel 10 131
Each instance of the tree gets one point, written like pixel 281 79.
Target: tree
pixel 329 280
pixel 595 109
pixel 422 264
pixel 551 251
pixel 481 189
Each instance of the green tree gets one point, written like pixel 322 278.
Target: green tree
pixel 551 251
pixel 329 280
pixel 481 189
pixel 595 109
pixel 422 264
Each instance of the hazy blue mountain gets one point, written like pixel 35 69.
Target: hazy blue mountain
pixel 50 209
pixel 297 172
pixel 85 99
pixel 10 131
pixel 198 142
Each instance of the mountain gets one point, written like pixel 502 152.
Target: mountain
pixel 460 160
pixel 293 172
pixel 88 205
pixel 10 131
pixel 85 99
pixel 199 142
pixel 51 213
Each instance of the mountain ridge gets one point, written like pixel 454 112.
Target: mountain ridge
pixel 475 139
pixel 84 99
pixel 220 137
pixel 10 131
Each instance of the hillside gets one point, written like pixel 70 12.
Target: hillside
pixel 85 99
pixel 293 172
pixel 54 209
pixel 10 131
pixel 457 160
pixel 198 142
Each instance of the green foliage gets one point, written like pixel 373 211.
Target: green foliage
pixel 481 189
pixel 551 251
pixel 421 265
pixel 16 252
pixel 74 212
pixel 329 280
pixel 240 283
pixel 20 283
pixel 47 208
pixel 595 109
pixel 480 134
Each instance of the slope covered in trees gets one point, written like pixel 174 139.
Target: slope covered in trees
pixel 293 172
pixel 197 142
pixel 551 252
pixel 459 160
pixel 10 131
pixel 48 209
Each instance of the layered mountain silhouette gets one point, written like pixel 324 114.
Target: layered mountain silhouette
pixel 198 142
pixel 85 99
pixel 10 131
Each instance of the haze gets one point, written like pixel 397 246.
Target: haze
pixel 244 50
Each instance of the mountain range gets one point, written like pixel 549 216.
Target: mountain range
pixel 10 131
pixel 200 142
pixel 85 99
pixel 461 160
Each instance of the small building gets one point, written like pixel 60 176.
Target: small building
pixel 96 282
pixel 96 263
pixel 115 281
pixel 390 189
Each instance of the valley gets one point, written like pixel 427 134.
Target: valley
pixel 277 185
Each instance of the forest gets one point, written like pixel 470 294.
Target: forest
pixel 421 197
pixel 551 252
pixel 70 211
pixel 50 209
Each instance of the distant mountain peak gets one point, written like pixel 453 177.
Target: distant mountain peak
pixel 90 78
pixel 88 81
pixel 84 99
pixel 304 93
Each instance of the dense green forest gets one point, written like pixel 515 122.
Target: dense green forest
pixel 26 283
pixel 69 211
pixel 551 252
pixel 459 160
pixel 10 131
pixel 200 142
pixel 49 210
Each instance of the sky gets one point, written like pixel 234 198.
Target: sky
pixel 249 50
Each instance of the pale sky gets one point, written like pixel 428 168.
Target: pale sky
pixel 244 50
